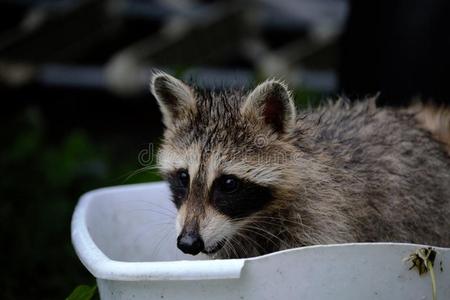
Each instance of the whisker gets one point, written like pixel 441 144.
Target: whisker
pixel 138 171
pixel 170 216
pixel 162 208
pixel 250 230
pixel 158 246
pixel 252 241
pixel 269 233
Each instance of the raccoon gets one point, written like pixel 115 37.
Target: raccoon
pixel 249 175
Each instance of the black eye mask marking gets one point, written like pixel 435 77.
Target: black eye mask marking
pixel 239 198
pixel 179 185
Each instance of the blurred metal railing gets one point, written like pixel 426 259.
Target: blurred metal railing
pixel 217 43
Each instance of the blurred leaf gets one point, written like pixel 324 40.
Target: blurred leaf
pixel 306 98
pixel 76 158
pixel 24 146
pixel 82 292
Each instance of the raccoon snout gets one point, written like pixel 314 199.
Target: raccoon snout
pixel 190 243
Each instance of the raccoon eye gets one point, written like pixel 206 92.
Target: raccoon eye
pixel 229 184
pixel 183 177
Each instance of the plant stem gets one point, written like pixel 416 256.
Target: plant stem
pixel 433 279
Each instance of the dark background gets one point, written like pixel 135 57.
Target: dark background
pixel 76 110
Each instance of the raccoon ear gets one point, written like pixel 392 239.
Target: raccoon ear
pixel 272 101
pixel 173 96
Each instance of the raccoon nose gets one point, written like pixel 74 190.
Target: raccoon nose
pixel 190 243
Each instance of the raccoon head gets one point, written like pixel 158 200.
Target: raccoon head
pixel 225 157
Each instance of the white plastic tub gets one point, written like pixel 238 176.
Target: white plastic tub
pixel 125 237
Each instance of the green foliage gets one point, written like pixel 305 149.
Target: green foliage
pixel 307 98
pixel 82 292
pixel 42 179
